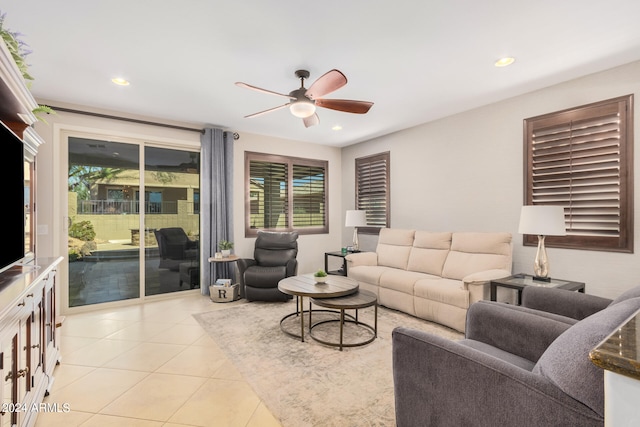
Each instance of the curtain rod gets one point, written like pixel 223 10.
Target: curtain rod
pixel 143 122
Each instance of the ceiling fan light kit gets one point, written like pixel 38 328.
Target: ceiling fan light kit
pixel 302 109
pixel 303 102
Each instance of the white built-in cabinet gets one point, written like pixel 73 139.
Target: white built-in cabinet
pixel 29 348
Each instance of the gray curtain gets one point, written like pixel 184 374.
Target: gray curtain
pixel 216 198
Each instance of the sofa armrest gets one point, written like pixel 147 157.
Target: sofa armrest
pixel 575 305
pixel 441 382
pixel 243 264
pixel 485 276
pixel 515 331
pixel 478 283
pixel 292 267
pixel 361 258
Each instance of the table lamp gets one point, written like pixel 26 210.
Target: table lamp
pixel 542 221
pixel 356 219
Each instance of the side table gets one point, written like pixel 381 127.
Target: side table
pixel 520 281
pixel 230 258
pixel 343 269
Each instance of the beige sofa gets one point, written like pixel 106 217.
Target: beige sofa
pixel 432 275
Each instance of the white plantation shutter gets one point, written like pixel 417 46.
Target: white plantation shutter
pixel 581 159
pixel 372 190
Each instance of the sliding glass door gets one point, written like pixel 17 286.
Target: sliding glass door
pixel 172 219
pixel 133 220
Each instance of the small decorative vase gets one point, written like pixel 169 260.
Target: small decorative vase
pixel 320 279
pixel 226 253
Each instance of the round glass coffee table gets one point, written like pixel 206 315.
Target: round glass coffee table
pixel 306 286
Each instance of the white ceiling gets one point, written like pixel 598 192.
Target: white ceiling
pixel 417 60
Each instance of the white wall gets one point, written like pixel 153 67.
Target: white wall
pixel 465 173
pixel 311 248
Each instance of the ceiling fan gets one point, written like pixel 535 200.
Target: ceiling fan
pixel 303 102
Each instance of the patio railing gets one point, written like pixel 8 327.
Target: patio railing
pixel 119 207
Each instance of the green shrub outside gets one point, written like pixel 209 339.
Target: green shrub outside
pixel 82 230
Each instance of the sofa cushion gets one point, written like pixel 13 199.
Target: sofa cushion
pixel 473 252
pixel 400 280
pixel 429 252
pixel 394 246
pixel 264 277
pixel 367 273
pixel 566 361
pixel 442 290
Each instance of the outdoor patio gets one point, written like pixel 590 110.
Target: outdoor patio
pixel 112 274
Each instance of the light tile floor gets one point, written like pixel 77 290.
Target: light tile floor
pixel 149 365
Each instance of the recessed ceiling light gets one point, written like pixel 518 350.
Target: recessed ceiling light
pixel 120 81
pixel 337 127
pixel 503 62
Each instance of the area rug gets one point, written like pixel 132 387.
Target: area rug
pixel 308 383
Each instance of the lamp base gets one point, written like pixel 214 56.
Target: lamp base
pixel 541 263
pixel 356 245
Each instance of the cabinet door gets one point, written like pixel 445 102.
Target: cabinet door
pixel 8 369
pixel 16 367
pixel 37 338
pixel 49 332
pixel 23 374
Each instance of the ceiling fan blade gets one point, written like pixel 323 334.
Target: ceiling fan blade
pixel 346 105
pixel 326 83
pixel 311 120
pixel 240 84
pixel 266 111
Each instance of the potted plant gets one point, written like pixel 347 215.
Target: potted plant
pixel 225 246
pixel 320 276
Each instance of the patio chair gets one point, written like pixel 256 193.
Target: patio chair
pixel 175 247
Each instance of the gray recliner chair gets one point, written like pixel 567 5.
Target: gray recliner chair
pixel 516 366
pixel 274 259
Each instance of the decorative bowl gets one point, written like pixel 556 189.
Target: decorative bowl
pixel 320 279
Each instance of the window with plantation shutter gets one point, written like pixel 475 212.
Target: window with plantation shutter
pixel 285 194
pixel 582 159
pixel 373 190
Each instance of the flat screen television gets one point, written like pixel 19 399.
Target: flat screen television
pixel 13 215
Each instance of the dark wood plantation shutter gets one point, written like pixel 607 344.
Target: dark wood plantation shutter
pixel 309 190
pixel 372 190
pixel 268 195
pixel 285 193
pixel 582 159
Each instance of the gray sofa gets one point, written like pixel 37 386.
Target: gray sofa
pixel 516 366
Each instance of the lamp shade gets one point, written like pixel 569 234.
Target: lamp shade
pixel 356 219
pixel 542 220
